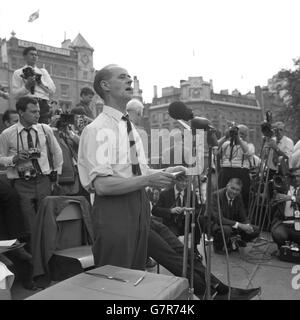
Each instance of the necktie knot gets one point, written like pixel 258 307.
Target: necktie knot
pixel 125 117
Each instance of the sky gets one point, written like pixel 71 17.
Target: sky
pixel 237 44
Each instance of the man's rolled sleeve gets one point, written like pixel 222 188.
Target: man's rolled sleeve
pixel 5 159
pixel 90 164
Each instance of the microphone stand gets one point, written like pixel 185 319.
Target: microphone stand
pixel 190 211
pixel 211 141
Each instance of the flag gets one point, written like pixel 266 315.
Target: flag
pixel 34 16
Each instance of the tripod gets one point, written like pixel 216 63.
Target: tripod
pixel 259 208
pixel 212 143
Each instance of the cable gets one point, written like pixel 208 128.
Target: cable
pixel 223 235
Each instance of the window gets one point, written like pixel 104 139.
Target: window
pixel 71 72
pixel 154 117
pixel 14 62
pixel 48 67
pixel 64 90
pixel 85 75
pixel 63 71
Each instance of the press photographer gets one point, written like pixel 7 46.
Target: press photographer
pixel 280 146
pixel 286 221
pixel 33 82
pixel 235 154
pixel 32 157
pixel 63 128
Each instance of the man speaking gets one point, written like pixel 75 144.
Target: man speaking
pixel 112 164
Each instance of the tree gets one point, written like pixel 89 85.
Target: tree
pixel 288 88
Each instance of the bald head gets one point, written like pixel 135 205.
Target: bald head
pixel 135 110
pixel 135 105
pixel 243 131
pixel 103 75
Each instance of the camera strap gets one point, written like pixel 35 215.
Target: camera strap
pixel 49 153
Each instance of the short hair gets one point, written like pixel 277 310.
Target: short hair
pixel 135 105
pixel 86 91
pixel 26 50
pixel 7 113
pixel 278 125
pixel 23 102
pixel 238 181
pixel 103 74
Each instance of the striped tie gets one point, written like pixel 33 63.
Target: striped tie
pixel 136 170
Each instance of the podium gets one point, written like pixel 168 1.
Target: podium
pixel 92 287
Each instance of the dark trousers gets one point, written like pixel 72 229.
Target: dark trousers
pixel 226 173
pixel 178 228
pixel 32 192
pixel 11 218
pixel 167 250
pixel 44 111
pixel 284 232
pixel 229 232
pixel 121 227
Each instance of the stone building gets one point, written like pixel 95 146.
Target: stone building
pixel 220 108
pixel 70 66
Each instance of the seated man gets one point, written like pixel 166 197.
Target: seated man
pixel 167 250
pixel 171 205
pixel 233 216
pixel 285 226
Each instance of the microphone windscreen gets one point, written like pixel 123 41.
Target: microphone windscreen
pixel 200 123
pixel 179 111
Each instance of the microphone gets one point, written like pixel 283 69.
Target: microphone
pixel 179 111
pixel 201 123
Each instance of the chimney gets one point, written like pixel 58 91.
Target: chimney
pixel 155 91
pixel 66 44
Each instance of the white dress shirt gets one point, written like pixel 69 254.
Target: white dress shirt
pixel 286 145
pixel 104 149
pixel 13 137
pixel 239 158
pixel 18 85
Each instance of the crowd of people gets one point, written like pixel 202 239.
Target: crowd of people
pixel 137 212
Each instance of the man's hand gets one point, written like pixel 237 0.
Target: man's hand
pixel 54 120
pixel 176 210
pixel 272 144
pixel 246 227
pixel 161 179
pixel 30 82
pixel 176 169
pixel 21 157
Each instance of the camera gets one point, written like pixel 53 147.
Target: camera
pixel 233 134
pixel 34 153
pixel 29 72
pixel 27 173
pixel 266 126
pixel 53 176
pixel 65 119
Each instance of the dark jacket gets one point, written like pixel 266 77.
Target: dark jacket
pixel 167 201
pixel 230 215
pixel 46 232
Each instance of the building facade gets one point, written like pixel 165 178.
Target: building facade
pixel 70 66
pixel 220 108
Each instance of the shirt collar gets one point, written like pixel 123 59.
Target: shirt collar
pixel 177 191
pixel 112 112
pixel 229 199
pixel 20 127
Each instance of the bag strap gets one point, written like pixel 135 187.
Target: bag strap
pixel 49 153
